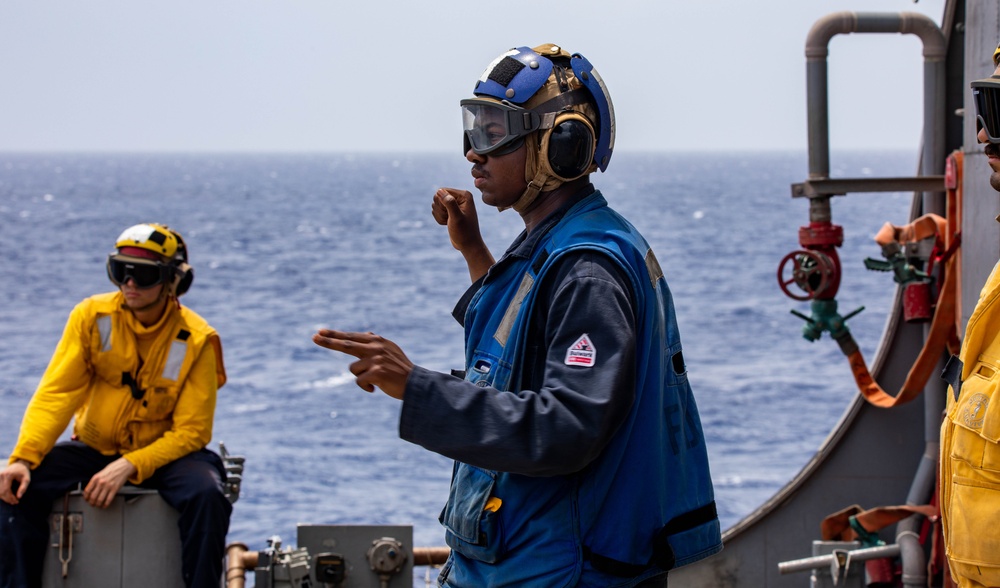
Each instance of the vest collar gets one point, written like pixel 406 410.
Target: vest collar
pixel 525 242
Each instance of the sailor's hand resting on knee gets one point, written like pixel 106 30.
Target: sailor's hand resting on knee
pixel 103 486
pixel 380 361
pixel 16 472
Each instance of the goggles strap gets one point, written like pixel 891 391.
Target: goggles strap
pixel 563 100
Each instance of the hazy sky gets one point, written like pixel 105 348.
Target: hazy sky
pixel 332 75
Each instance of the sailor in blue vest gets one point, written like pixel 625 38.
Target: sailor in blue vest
pixel 579 453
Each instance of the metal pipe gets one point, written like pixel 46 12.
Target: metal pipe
pixel 935 50
pixel 931 163
pixel 908 530
pixel 825 561
pixel 430 556
pixel 238 560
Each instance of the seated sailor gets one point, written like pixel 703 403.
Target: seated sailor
pixel 140 373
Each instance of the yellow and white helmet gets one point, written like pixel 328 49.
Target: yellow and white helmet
pixel 158 247
pixel 156 238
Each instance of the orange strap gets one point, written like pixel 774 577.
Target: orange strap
pixel 944 326
pixel 954 232
pixel 942 334
pixel 837 527
pixel 922 228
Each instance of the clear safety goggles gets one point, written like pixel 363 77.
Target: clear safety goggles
pixel 986 96
pixel 144 274
pixel 496 127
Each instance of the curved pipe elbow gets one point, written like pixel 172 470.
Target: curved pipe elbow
pixel 935 45
pixel 238 560
pixel 824 29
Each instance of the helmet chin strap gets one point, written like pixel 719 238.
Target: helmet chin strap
pixel 542 179
pixel 531 193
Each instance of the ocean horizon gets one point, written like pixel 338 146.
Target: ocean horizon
pixel 286 243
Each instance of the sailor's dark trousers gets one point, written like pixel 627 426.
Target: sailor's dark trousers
pixel 192 485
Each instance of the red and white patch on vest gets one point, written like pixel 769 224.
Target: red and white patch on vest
pixel 582 353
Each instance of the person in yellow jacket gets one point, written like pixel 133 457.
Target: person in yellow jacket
pixel 139 372
pixel 970 434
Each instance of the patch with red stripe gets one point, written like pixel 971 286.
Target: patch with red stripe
pixel 582 353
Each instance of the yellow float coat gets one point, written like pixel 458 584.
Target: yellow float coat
pixel 970 450
pixel 180 371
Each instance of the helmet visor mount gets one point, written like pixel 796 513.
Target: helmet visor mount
pixel 986 96
pixel 494 127
pixel 144 274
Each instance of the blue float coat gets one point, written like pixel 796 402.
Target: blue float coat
pixel 563 466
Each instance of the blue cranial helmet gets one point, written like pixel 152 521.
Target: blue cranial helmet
pixel 526 90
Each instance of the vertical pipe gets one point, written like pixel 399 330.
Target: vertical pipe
pixel 818 118
pixel 931 163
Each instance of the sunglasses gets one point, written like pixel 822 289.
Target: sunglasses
pixel 986 96
pixel 144 275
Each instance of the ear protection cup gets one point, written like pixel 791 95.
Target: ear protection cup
pixel 184 278
pixel 568 147
pixel 184 273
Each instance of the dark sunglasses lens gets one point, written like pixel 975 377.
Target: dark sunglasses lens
pixel 117 271
pixel 145 275
pixel 987 99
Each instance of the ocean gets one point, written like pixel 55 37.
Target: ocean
pixel 284 244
